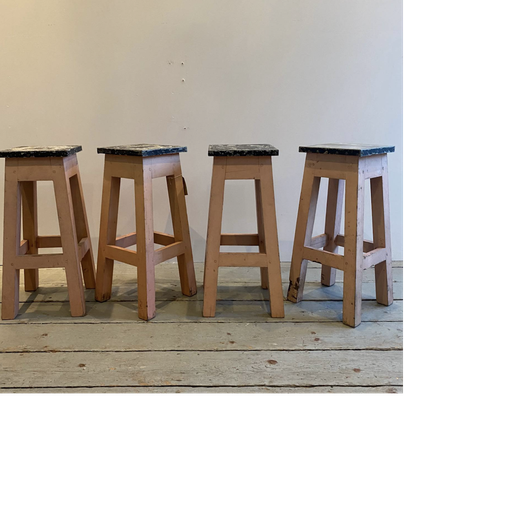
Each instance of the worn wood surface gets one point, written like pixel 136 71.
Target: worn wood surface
pixel 241 349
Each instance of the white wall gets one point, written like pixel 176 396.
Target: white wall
pixel 106 72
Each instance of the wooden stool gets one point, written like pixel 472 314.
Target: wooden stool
pixel 24 166
pixel 353 164
pixel 243 162
pixel 142 163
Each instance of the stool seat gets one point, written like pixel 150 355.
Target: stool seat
pixel 355 150
pixel 142 150
pixel 39 151
pixel 242 150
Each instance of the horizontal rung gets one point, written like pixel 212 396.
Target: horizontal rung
pixel 367 245
pixel 374 257
pixel 125 241
pixel 46 260
pixel 319 241
pixel 163 238
pixel 243 259
pixel 340 241
pixel 327 258
pixel 169 251
pixel 48 241
pixel 121 254
pixel 239 239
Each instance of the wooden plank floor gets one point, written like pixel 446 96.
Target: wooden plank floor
pixel 241 350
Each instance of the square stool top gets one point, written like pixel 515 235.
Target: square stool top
pixel 242 150
pixel 356 150
pixel 40 151
pixel 143 150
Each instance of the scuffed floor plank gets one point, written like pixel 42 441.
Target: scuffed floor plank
pixel 262 368
pixel 210 390
pixel 241 350
pixel 200 336
pixel 191 312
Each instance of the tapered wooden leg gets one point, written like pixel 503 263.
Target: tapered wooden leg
pixel 303 234
pixel 82 229
pixel 260 231
pixel 213 237
pixel 353 256
pixel 181 232
pixel 145 245
pixel 381 229
pixel 30 230
pixel 269 216
pixel 334 207
pixel 10 275
pixel 108 234
pixel 68 234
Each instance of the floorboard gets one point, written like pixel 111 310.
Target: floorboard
pixel 241 350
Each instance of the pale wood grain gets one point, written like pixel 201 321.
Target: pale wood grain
pixel 263 368
pixel 200 336
pixel 168 389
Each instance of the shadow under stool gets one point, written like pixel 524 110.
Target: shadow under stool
pixel 243 162
pixel 24 167
pixel 142 163
pixel 347 166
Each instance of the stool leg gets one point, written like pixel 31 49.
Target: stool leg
pixel 108 234
pixel 181 231
pixel 82 228
pixel 68 234
pixel 275 285
pixel 145 245
pixel 303 234
pixel 381 230
pixel 353 256
pixel 30 230
pixel 260 231
pixel 10 275
pixel 213 237
pixel 334 208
